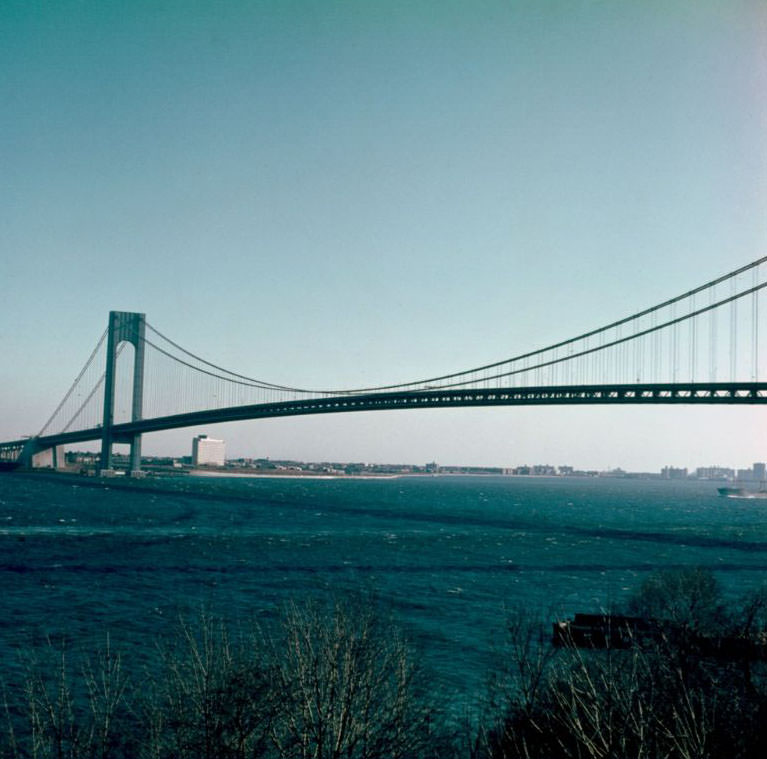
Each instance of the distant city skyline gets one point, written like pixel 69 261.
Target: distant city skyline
pixel 216 456
pixel 346 194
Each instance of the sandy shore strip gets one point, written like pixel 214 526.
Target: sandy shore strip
pixel 259 475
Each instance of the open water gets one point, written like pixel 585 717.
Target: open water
pixel 446 555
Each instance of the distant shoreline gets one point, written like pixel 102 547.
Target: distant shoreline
pixel 175 474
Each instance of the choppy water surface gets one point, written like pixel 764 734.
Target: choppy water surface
pixel 445 554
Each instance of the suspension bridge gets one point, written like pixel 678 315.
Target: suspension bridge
pixel 699 347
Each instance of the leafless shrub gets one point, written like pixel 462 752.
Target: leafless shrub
pixel 602 706
pixel 512 719
pixel 212 699
pixel 348 687
pixel 106 685
pixel 62 711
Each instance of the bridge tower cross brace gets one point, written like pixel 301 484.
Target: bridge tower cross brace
pixel 124 326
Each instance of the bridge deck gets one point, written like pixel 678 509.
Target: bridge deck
pixel 669 393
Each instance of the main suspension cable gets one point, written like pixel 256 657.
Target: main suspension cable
pixel 245 380
pixel 618 341
pixel 93 392
pixel 74 384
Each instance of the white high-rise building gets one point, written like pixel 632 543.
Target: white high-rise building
pixel 206 450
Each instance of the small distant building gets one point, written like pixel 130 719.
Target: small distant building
pixel 208 451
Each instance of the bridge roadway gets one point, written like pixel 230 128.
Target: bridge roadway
pixel 669 393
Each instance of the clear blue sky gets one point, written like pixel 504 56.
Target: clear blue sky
pixel 345 193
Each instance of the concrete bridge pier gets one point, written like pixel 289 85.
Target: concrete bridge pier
pixel 35 456
pixel 134 466
pixel 49 458
pixel 28 452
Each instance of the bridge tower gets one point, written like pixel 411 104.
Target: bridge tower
pixel 124 326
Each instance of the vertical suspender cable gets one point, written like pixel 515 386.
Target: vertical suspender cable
pixel 733 332
pixel 674 344
pixel 693 339
pixel 712 336
pixel 755 326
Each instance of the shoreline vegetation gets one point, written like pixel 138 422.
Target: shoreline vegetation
pixel 341 680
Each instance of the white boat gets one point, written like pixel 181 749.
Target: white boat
pixel 742 493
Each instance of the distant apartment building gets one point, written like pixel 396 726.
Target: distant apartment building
pixel 673 473
pixel 208 451
pixel 755 474
pixel 714 473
